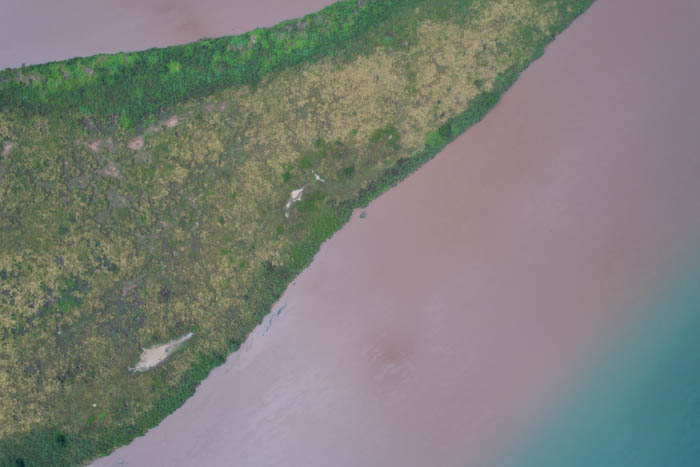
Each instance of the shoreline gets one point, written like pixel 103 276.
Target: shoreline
pixel 158 26
pixel 301 254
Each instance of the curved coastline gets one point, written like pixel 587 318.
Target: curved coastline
pixel 58 33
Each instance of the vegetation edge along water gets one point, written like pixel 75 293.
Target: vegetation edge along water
pixel 343 32
pixel 135 85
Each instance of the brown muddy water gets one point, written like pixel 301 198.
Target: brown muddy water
pixel 33 31
pixel 437 328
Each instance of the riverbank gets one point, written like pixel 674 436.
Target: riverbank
pixel 470 309
pixel 31 34
pixel 126 246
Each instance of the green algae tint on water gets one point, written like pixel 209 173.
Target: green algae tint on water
pixel 640 406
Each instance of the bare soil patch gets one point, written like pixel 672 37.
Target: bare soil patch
pixel 137 143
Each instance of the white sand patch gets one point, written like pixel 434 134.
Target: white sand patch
pixel 293 198
pixel 295 195
pixel 156 355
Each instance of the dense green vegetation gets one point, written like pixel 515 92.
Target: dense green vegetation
pixel 144 195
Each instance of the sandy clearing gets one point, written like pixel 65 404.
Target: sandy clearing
pixel 154 356
pixel 293 198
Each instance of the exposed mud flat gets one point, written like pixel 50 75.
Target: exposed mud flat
pixel 434 330
pixel 58 32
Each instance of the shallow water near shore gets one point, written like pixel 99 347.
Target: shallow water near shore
pixel 464 311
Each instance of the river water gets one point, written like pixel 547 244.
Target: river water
pixel 36 31
pixel 452 321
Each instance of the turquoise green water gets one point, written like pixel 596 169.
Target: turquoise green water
pixel 640 405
